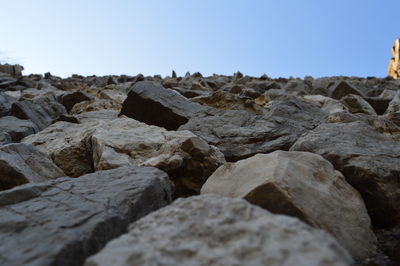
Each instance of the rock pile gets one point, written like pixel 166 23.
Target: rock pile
pixel 194 170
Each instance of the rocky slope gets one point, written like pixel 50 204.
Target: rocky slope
pixel 109 170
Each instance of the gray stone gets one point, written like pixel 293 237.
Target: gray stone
pixel 22 163
pixel 356 104
pixel 5 138
pixel 17 128
pixel 341 89
pixel 370 161
pixel 211 230
pixel 303 185
pixel 394 105
pixel 64 221
pixel 41 110
pixel 72 98
pixel 5 103
pixel 153 104
pixel 239 134
pixel 13 70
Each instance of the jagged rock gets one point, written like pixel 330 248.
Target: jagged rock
pixel 297 87
pixel 22 163
pixel 394 65
pixel 17 128
pixel 41 110
pixel 5 103
pixel 228 101
pixel 327 104
pixel 95 105
pixel 370 161
pixel 357 104
pixel 72 98
pixel 341 89
pixel 64 221
pixel 394 105
pixel 189 93
pixel 154 105
pixel 97 115
pixel 99 145
pixel 5 138
pixel 303 185
pixel 211 230
pixel 239 134
pixel 13 70
pixel 7 81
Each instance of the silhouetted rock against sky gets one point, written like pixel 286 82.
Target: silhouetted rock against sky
pixel 394 65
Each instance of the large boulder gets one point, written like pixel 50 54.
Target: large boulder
pixel 72 98
pixel 153 104
pixel 100 145
pixel 356 104
pixel 369 160
pixel 211 230
pixel 17 128
pixel 5 103
pixel 64 221
pixel 303 185
pixel 41 110
pixel 22 163
pixel 240 134
pixel 341 89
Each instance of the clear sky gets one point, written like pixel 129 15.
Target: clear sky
pixel 277 37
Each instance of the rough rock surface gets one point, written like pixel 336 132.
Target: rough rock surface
pixel 219 231
pixel 101 145
pixel 394 65
pixel 370 161
pixel 239 134
pixel 22 163
pixel 40 110
pixel 154 105
pixel 17 128
pixel 5 103
pixel 341 89
pixel 356 104
pixel 303 185
pixel 64 221
pixel 72 98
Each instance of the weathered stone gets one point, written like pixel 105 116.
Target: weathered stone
pixel 64 221
pixel 5 138
pixel 394 65
pixel 303 185
pixel 239 134
pixel 341 89
pixel 100 145
pixel 154 105
pixel 228 101
pixel 22 163
pixel 379 104
pixel 97 115
pixel 13 70
pixel 370 161
pixel 5 103
pixel 41 110
pixel 95 105
pixel 7 81
pixel 394 105
pixel 17 128
pixel 72 98
pixel 357 104
pixel 211 230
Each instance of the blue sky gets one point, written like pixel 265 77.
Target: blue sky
pixel 280 38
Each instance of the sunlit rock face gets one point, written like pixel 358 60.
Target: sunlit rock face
pixel 394 65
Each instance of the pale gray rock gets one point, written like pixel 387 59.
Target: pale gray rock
pixel 17 128
pixel 5 103
pixel 369 160
pixel 5 138
pixel 303 185
pixel 22 163
pixel 341 89
pixel 394 105
pixel 212 230
pixel 64 221
pixel 356 104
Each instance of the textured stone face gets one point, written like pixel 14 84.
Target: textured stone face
pixel 154 105
pixel 23 163
pixel 64 221
pixel 394 65
pixel 240 134
pixel 370 161
pixel 303 185
pixel 212 230
pixel 100 145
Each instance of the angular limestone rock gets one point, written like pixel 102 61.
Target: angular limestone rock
pixel 17 128
pixel 5 103
pixel 101 145
pixel 212 230
pixel 357 104
pixel 341 89
pixel 155 105
pixel 64 221
pixel 22 163
pixel 370 161
pixel 303 185
pixel 394 65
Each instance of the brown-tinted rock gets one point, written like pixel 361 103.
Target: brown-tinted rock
pixel 394 65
